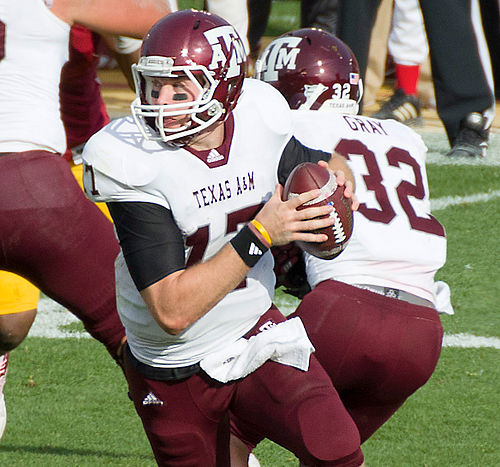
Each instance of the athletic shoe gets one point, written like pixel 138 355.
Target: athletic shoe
pixel 402 108
pixel 4 360
pixel 472 139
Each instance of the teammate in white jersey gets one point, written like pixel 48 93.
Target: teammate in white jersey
pixel 371 313
pixel 191 180
pixel 50 233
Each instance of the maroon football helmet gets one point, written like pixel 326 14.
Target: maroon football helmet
pixel 313 69
pixel 202 47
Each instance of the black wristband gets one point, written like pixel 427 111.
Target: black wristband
pixel 248 246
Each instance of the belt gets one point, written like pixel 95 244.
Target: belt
pixel 396 293
pixel 161 374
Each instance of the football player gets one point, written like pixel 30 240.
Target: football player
pixel 193 183
pixel 51 234
pixel 371 314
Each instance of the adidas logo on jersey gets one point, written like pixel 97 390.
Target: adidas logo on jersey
pixel 151 399
pixel 254 250
pixel 214 156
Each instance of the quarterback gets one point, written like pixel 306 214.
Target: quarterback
pixel 193 183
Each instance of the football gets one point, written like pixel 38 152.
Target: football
pixel 308 176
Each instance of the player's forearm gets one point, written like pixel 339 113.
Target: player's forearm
pixel 131 18
pixel 181 298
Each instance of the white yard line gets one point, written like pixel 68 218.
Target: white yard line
pixel 470 341
pixel 52 319
pixel 447 201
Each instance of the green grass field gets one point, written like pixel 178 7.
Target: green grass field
pixel 284 14
pixel 67 401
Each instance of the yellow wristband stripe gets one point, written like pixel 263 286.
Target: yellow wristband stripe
pixel 262 231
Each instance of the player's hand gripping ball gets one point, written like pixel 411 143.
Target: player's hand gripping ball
pixel 308 176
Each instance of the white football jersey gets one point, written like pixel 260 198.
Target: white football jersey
pixel 34 45
pixel 210 200
pixel 395 242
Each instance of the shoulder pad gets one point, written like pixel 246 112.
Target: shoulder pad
pixel 271 105
pixel 120 152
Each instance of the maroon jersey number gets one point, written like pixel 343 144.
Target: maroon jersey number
pixel 405 190
pixel 199 240
pixel 88 170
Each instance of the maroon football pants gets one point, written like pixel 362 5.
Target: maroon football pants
pixel 55 237
pixel 377 351
pixel 187 421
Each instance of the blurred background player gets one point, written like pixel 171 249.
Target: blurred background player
pixel 51 234
pixel 83 112
pixel 461 66
pixel 258 17
pixel 371 314
pixel 408 47
pixel 321 14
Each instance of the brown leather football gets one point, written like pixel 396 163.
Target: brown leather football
pixel 308 176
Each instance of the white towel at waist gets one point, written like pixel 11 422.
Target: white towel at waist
pixel 443 298
pixel 285 343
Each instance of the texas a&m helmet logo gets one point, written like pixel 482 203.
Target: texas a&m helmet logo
pixel 227 50
pixel 280 54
